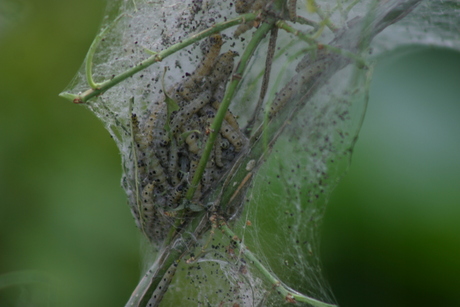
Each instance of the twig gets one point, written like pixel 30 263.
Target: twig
pixel 92 50
pixel 216 124
pixel 104 86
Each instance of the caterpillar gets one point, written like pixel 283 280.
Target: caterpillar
pixel 292 9
pixel 187 111
pixel 287 94
pixel 229 117
pixel 208 174
pixel 246 6
pixel 210 58
pixel 173 166
pixel 169 143
pixel 233 136
pixel 162 287
pixel 148 212
pixel 192 141
pixel 192 84
pixel 223 67
pixel 157 173
pixel 147 202
pixel 178 193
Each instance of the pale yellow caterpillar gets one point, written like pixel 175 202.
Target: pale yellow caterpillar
pixel 208 174
pixel 138 137
pixel 244 6
pixel 148 208
pixel 229 117
pixel 224 144
pixel 162 287
pixel 209 60
pixel 173 165
pixel 192 142
pixel 292 9
pixel 193 83
pixel 157 173
pixel 184 114
pixel 233 136
pixel 149 214
pixel 178 193
pixel 223 67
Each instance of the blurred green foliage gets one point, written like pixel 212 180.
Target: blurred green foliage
pixel 391 234
pixel 62 211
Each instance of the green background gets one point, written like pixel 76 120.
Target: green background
pixel 391 235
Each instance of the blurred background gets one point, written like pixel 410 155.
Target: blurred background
pixel 391 235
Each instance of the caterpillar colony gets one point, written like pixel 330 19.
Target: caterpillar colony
pixel 169 143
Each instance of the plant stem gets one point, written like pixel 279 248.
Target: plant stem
pixel 92 50
pixel 216 124
pixel 322 15
pixel 170 254
pixel 157 57
pixel 307 84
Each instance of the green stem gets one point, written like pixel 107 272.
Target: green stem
pixel 308 22
pixel 169 255
pixel 283 25
pixel 324 19
pixel 289 295
pixel 157 57
pixel 92 50
pixel 216 124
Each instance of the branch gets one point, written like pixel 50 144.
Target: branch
pixel 156 57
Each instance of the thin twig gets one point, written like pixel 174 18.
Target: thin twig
pixel 92 50
pixel 216 124
pixel 104 86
